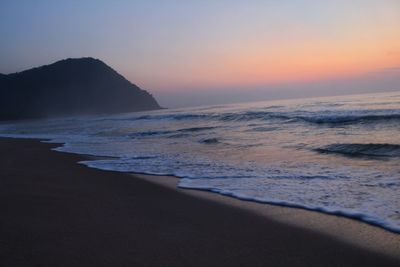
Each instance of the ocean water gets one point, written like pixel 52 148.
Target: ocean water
pixel 337 155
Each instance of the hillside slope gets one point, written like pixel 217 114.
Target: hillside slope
pixel 70 87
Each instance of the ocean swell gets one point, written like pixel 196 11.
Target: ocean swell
pixel 346 119
pixel 362 150
pixel 328 117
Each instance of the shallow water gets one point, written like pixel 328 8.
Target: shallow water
pixel 338 155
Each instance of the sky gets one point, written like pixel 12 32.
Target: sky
pixel 215 51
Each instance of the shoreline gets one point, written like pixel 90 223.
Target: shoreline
pixel 346 229
pixel 59 213
pixel 174 185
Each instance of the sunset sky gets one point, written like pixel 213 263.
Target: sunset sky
pixel 227 49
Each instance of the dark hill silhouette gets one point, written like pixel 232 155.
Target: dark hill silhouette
pixel 70 87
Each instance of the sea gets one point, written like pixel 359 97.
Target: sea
pixel 337 155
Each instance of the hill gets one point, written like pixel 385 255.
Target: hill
pixel 70 87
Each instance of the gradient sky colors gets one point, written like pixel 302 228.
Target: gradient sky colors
pixel 227 47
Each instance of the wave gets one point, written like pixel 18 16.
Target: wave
pixel 185 116
pixel 315 117
pixel 225 116
pixel 328 117
pixel 148 133
pixel 210 141
pixel 254 115
pixel 362 150
pixel 196 129
pixel 175 133
pixel 343 119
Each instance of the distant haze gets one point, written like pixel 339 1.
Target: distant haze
pixel 210 52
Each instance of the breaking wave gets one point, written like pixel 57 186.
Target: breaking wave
pixel 319 118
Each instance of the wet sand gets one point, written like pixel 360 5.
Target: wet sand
pixel 348 230
pixel 54 212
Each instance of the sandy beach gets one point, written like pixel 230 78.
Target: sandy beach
pixel 55 212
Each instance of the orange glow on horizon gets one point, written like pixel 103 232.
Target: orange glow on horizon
pixel 254 66
pixel 258 70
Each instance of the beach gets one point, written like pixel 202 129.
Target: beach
pixel 55 212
